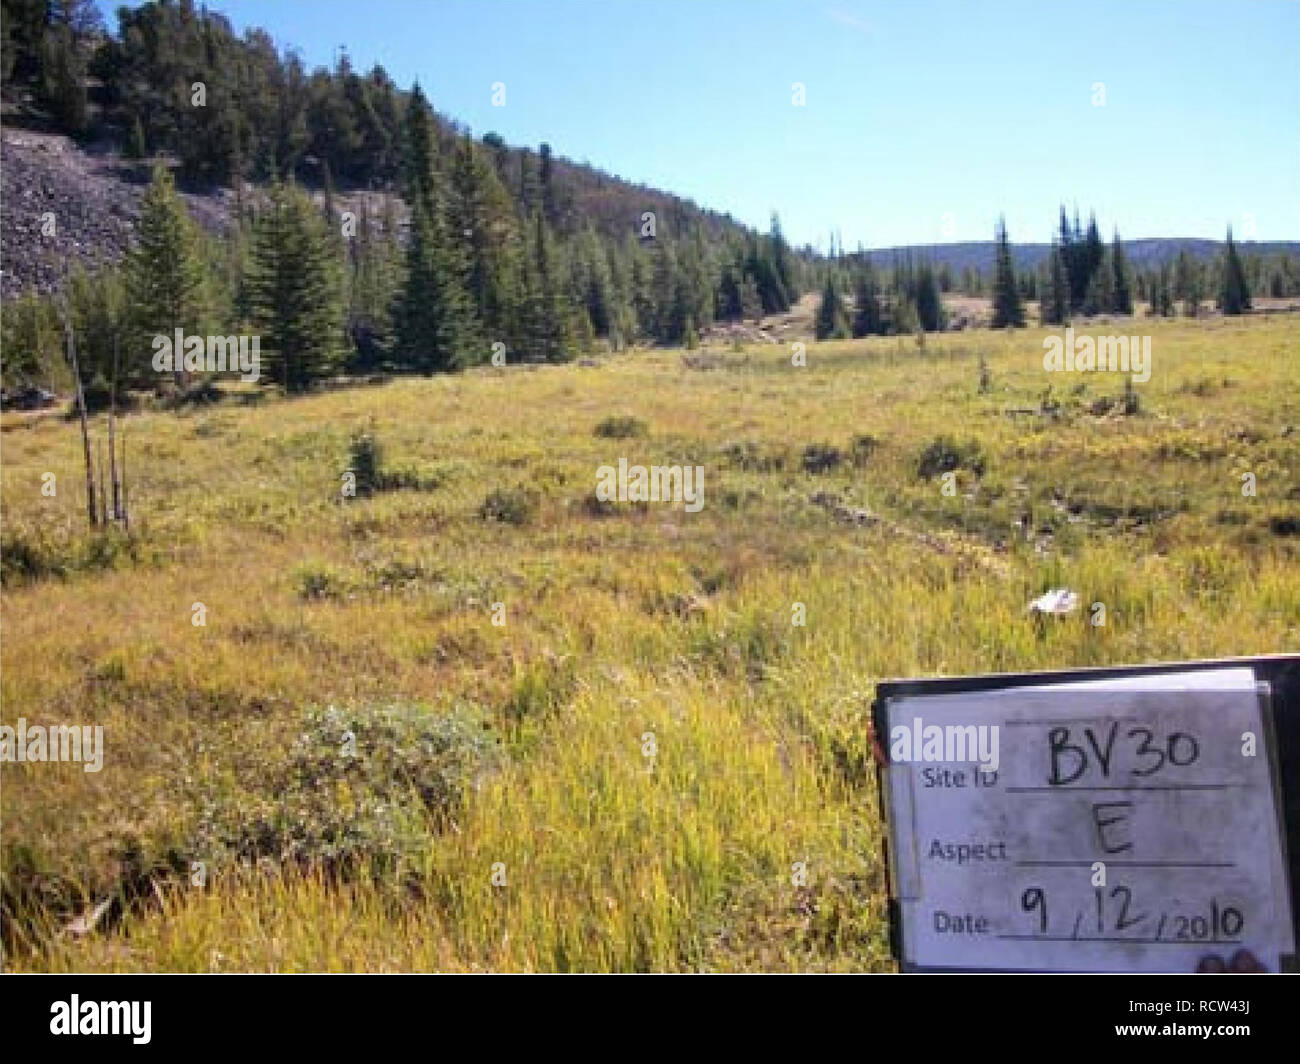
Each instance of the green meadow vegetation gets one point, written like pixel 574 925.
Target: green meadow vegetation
pixel 645 764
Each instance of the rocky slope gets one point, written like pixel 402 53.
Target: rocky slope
pixel 94 198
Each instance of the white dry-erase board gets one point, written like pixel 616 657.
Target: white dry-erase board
pixel 1121 820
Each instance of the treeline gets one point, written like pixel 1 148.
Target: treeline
pixel 1274 275
pixel 177 81
pixel 1081 276
pixel 480 250
pixel 451 251
pixel 1085 276
pixel 45 46
pixel 467 279
pixel 884 302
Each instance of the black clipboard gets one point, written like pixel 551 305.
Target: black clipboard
pixel 1278 675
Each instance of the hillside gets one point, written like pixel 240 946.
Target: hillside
pixel 95 201
pixel 95 193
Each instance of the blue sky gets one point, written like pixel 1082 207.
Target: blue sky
pixel 923 120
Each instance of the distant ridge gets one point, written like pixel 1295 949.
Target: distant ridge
pixel 1141 254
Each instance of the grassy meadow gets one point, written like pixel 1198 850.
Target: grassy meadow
pixel 498 807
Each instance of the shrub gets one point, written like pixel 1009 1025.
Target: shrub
pixel 594 506
pixel 316 581
pixel 748 644
pixel 747 455
pixel 541 687
pixel 1129 404
pixel 98 397
pixel 29 554
pixel 621 427
pixel 511 506
pixel 862 448
pixel 366 460
pixel 1285 525
pixel 944 455
pixel 24 558
pixel 98 394
pixel 411 478
pixel 200 393
pixel 821 458
pixel 359 791
pixel 1132 405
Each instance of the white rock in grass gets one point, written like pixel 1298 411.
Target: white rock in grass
pixel 85 923
pixel 1059 601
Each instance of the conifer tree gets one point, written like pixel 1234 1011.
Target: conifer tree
pixel 95 304
pixel 1167 284
pixel 529 192
pixel 868 319
pixel 418 158
pixel 781 261
pixel 622 328
pixel 1167 291
pixel 751 303
pixel 546 178
pixel 1121 282
pixel 436 326
pixel 669 307
pixel 1187 283
pixel 375 282
pixel 696 281
pixel 1055 306
pixel 832 321
pixel 1101 290
pixel 1094 251
pixel 546 321
pixel 481 220
pixel 32 341
pixel 900 315
pixel 165 288
pixel 1072 258
pixel 929 308
pixel 328 210
pixel 1008 311
pixel 1234 292
pixel 1029 285
pixel 642 286
pixel 727 298
pixel 760 264
pixel 64 72
pixel 136 147
pixel 295 292
pixel 500 155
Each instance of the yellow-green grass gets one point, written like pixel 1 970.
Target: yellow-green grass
pixel 646 620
